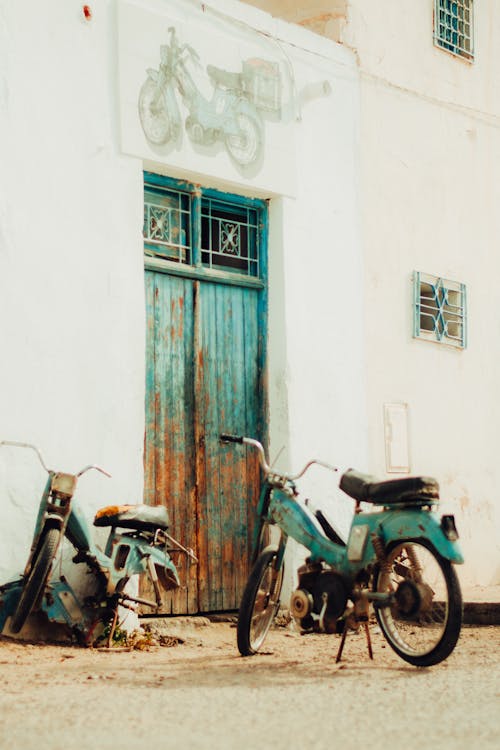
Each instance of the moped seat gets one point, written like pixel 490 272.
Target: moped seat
pixel 408 490
pixel 140 517
pixel 224 77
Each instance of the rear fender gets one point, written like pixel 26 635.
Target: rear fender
pixel 165 568
pixel 419 525
pixel 130 557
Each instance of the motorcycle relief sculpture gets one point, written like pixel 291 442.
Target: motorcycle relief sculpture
pixel 231 115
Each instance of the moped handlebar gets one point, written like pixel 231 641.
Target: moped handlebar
pixel 16 444
pixel 181 48
pixel 225 438
pixel 93 466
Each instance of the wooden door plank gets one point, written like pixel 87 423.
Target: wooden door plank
pixel 150 405
pixel 231 317
pixel 171 439
pixel 253 402
pixel 175 454
pixel 253 399
pixel 206 406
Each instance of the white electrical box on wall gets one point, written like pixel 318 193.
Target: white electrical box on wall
pixel 397 452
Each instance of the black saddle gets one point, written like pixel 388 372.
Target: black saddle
pixel 408 490
pixel 225 78
pixel 139 517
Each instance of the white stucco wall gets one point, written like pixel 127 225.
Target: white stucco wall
pixel 72 325
pixel 430 145
pixel 71 263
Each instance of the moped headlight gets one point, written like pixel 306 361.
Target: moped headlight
pixel 449 528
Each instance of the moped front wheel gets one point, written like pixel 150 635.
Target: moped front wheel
pixel 422 624
pixel 260 602
pixel 155 119
pixel 36 580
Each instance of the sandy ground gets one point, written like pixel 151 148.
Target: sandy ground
pixel 202 694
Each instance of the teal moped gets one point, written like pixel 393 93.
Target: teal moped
pixel 398 558
pixel 138 543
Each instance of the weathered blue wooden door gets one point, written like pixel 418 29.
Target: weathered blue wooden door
pixel 205 360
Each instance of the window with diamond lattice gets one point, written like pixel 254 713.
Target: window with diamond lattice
pixel 453 27
pixel 439 310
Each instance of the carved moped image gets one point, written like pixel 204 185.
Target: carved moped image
pixel 231 115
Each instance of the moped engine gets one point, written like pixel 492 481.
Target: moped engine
pixel 320 599
pixel 198 133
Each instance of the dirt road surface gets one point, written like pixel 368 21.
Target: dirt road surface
pixel 202 694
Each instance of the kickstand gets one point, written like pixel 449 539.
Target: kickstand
pixel 363 619
pixel 112 628
pixel 341 647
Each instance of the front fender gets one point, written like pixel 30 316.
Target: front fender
pixel 419 525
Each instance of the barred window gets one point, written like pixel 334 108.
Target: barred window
pixel 440 310
pixel 203 229
pixel 229 236
pixel 453 27
pixel 167 224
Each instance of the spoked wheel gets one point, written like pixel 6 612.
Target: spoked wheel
pixel 423 623
pixel 36 580
pixel 155 119
pixel 260 602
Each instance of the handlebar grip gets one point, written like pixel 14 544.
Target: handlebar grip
pixel 230 438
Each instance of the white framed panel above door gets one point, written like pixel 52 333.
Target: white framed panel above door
pixel 203 93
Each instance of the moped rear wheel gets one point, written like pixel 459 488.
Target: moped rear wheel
pixel 260 602
pixel 423 623
pixel 36 580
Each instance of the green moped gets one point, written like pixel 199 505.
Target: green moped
pixel 398 558
pixel 138 543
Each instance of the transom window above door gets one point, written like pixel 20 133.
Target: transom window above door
pixel 194 231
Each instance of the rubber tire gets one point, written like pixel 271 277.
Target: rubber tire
pixel 36 580
pixel 451 632
pixel 162 121
pixel 247 646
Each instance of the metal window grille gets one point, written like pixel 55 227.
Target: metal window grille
pixel 167 222
pixel 453 27
pixel 440 312
pixel 204 230
pixel 229 237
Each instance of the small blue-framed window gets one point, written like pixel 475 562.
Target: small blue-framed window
pixel 219 234
pixel 454 27
pixel 167 224
pixel 440 310
pixel 229 236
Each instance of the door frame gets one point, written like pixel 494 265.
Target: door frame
pixel 198 272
